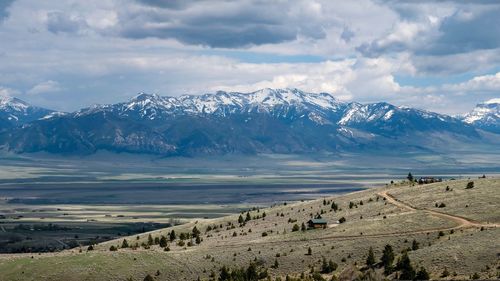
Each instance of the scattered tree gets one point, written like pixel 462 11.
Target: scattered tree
pixel 410 177
pixel 370 259
pixel 172 235
pixel 387 259
pixel 124 243
pixel 470 185
pixel 422 274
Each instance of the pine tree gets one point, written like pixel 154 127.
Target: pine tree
pixel 414 245
pixel 410 177
pixel 422 274
pixel 172 235
pixel 195 231
pixel 370 259
pixel 240 219
pixel 309 251
pixel 303 227
pixel 387 259
pixel 407 271
pixel 335 207
pixel 163 241
pixel 149 278
pixel 150 240
pixel 124 243
pixel 248 218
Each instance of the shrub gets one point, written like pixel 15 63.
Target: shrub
pixel 470 185
pixel 90 248
pixel 181 243
pixel 150 240
pixel 342 220
pixel 264 234
pixel 442 205
pixel 422 274
pixel 295 227
pixel 113 248
pixel 309 251
pixel 149 278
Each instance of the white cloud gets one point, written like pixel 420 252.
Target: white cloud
pixel 45 87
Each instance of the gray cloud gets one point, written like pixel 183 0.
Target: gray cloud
pixel 220 24
pixel 61 22
pixel 460 35
pixel 4 5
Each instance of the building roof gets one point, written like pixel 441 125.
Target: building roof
pixel 318 221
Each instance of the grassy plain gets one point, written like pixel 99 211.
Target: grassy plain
pixel 462 237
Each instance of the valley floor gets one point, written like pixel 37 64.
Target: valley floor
pixel 456 230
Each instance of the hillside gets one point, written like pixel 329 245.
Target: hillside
pixel 461 236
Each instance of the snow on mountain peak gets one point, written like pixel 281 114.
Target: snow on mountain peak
pixel 485 113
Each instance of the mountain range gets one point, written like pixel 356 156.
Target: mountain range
pixel 264 121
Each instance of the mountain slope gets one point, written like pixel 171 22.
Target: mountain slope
pixel 265 121
pixel 15 112
pixel 485 116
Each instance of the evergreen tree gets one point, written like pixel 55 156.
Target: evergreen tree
pixel 309 251
pixel 414 245
pixel 196 232
pixel 422 274
pixel 370 259
pixel 124 243
pixel 240 219
pixel 248 218
pixel 335 207
pixel 295 227
pixel 172 235
pixel 149 278
pixel 198 240
pixel 224 275
pixel 163 241
pixel 387 259
pixel 303 227
pixel 407 271
pixel 410 177
pixel 150 240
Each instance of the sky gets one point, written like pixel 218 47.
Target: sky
pixel 442 56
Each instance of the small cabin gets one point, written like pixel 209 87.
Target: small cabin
pixel 317 223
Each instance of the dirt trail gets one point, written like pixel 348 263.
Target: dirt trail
pixel 461 221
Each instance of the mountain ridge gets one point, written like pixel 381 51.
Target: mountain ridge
pixel 264 121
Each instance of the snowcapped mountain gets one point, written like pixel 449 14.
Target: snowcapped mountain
pixel 264 121
pixel 485 116
pixel 16 112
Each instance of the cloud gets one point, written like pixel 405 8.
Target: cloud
pixel 45 87
pixel 7 92
pixel 495 100
pixel 4 5
pixel 223 24
pixel 60 22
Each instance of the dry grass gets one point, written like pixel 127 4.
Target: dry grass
pixel 374 223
